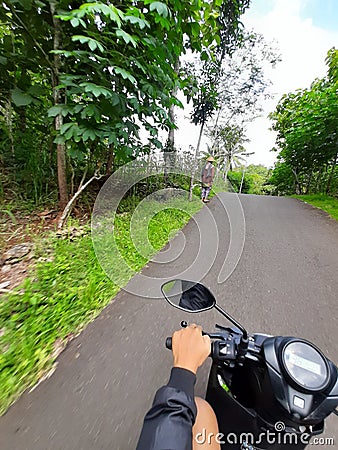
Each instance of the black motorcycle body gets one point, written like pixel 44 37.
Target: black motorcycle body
pixel 268 392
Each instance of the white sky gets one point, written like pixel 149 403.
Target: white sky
pixel 303 41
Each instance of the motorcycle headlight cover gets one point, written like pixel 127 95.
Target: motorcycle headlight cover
pixel 305 365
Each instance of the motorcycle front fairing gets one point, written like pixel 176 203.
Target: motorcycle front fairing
pixel 252 405
pixel 300 382
pixel 240 425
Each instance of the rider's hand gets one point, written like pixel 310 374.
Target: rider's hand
pixel 190 348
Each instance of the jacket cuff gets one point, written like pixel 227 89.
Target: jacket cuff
pixel 183 380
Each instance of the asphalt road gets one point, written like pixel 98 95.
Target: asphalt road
pixel 285 283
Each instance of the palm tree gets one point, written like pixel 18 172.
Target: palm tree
pixel 228 148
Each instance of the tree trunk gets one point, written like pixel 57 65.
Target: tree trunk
pixel 195 162
pixel 317 180
pixel 226 171
pixel 23 119
pixel 170 150
pixel 298 186
pixel 69 206
pixel 215 130
pixel 61 166
pixel 242 181
pixel 308 184
pixel 9 123
pixel 22 112
pixel 323 180
pixel 110 160
pixel 60 148
pixel 329 181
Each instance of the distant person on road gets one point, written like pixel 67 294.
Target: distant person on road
pixel 208 173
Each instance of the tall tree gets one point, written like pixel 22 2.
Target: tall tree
pixel 242 81
pixel 306 123
pixel 213 33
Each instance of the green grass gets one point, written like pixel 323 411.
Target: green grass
pixel 67 293
pixel 324 202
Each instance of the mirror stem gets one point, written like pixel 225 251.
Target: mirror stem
pixel 234 321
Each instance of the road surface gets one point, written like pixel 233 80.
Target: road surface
pixel 285 283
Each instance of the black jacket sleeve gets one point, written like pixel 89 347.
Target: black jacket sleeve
pixel 168 424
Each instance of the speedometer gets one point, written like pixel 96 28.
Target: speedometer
pixel 305 365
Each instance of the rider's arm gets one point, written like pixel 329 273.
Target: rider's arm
pixel 168 424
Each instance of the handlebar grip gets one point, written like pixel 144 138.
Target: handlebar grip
pixel 169 343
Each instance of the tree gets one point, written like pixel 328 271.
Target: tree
pixel 219 22
pixel 34 33
pixel 237 90
pixel 103 70
pixel 306 123
pixel 25 86
pixel 228 147
pixel 242 83
pixel 204 105
pixel 282 179
pixel 259 176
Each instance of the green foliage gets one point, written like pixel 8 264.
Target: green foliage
pixel 97 72
pixel 62 297
pixel 324 202
pixel 205 101
pixel 116 95
pixel 282 179
pixel 228 145
pixel 306 123
pixel 230 27
pixel 255 181
pixel 258 169
pixel 258 178
pixel 67 293
pixel 235 181
pixel 166 223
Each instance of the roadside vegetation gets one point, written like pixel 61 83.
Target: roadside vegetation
pixel 66 293
pixel 253 179
pixel 306 122
pixel 322 201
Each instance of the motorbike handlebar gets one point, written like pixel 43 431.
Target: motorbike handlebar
pixel 220 350
pixel 168 341
pixel 169 345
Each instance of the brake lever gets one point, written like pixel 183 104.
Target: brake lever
pixel 220 327
pixel 233 329
pixel 184 324
pixel 217 336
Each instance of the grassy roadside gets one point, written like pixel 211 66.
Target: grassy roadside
pixel 324 202
pixel 66 293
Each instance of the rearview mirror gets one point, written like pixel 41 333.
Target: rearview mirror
pixel 188 295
